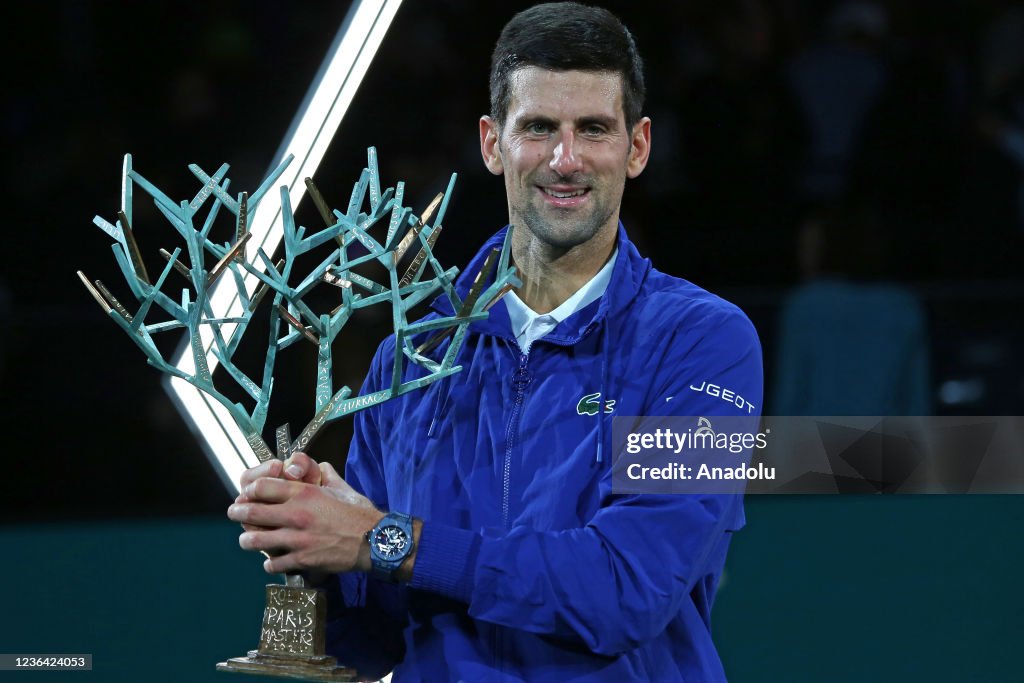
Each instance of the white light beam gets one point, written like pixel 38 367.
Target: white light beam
pixel 311 133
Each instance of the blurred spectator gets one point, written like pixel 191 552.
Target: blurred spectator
pixel 850 343
pixel 836 82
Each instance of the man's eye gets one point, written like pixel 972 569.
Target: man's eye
pixel 537 128
pixel 593 130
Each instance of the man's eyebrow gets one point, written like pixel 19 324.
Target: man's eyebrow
pixel 525 119
pixel 609 122
pixel 605 121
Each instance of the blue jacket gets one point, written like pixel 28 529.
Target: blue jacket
pixel 529 568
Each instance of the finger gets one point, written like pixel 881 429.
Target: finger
pixel 292 562
pixel 280 550
pixel 270 468
pixel 246 526
pixel 268 490
pixel 300 557
pixel 330 478
pixel 273 517
pixel 282 564
pixel 272 542
pixel 301 467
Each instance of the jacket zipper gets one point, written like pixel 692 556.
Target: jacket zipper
pixel 520 380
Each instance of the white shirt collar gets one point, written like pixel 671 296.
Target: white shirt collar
pixel 529 326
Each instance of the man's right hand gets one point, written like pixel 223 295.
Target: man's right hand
pixel 299 467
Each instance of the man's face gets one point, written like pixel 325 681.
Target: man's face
pixel 565 153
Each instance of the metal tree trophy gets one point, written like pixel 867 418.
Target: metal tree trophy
pixel 292 633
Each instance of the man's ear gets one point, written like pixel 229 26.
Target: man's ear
pixel 490 150
pixel 640 147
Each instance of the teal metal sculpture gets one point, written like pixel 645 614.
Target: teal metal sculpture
pixel 291 318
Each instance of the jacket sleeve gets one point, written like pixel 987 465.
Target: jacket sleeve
pixel 366 617
pixel 620 579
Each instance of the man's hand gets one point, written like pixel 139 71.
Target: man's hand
pixel 299 467
pixel 306 515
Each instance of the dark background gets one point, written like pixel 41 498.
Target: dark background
pixel 722 202
pixel 733 180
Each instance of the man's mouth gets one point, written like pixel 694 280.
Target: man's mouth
pixel 564 194
pixel 564 197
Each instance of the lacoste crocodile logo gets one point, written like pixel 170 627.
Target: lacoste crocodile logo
pixel 590 404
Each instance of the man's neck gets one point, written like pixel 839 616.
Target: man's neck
pixel 550 276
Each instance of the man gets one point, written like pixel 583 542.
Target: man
pixel 524 564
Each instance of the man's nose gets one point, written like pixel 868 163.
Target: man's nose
pixel 566 160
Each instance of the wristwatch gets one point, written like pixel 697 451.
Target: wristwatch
pixel 390 544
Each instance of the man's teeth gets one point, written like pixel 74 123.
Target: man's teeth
pixel 564 195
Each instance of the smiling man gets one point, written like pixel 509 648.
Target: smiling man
pixel 476 535
pixel 565 147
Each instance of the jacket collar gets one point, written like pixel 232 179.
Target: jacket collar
pixel 628 274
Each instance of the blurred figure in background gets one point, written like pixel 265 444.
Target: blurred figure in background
pixel 836 83
pixel 850 343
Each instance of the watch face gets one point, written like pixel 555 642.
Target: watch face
pixel 390 541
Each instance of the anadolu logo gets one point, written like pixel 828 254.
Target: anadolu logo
pixel 590 404
pixel 704 427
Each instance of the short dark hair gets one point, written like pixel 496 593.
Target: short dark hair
pixel 564 36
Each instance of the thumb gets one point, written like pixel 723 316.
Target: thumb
pixel 301 467
pixel 330 478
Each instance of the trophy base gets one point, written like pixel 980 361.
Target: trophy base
pixel 323 668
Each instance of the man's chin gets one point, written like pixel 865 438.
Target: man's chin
pixel 565 240
pixel 561 229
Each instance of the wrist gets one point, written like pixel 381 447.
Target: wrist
pixel 364 562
